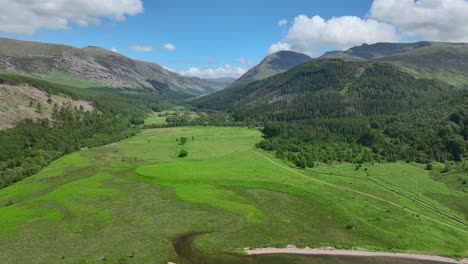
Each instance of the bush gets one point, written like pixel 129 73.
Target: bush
pixel 447 168
pixel 183 153
pixel 429 166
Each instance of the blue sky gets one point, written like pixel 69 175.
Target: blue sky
pixel 210 34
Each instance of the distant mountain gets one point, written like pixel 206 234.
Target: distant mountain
pixel 213 84
pixel 444 61
pixel 95 65
pixel 329 88
pixel 375 51
pixel 273 64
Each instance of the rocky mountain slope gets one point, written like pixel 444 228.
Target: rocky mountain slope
pixel 95 65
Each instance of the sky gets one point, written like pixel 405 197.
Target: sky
pixel 224 38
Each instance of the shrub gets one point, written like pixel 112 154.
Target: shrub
pixel 183 153
pixel 429 166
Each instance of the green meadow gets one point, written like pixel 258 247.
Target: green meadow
pixel 125 202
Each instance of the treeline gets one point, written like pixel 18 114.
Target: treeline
pixel 210 118
pixel 31 146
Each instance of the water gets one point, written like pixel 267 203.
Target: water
pixel 186 254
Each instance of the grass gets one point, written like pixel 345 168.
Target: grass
pixel 125 202
pixel 156 119
pixel 70 80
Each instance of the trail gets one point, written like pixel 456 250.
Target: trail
pixel 335 252
pixel 360 193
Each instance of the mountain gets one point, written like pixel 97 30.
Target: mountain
pixel 375 51
pixel 213 84
pixel 93 65
pixel 444 61
pixel 329 88
pixel 273 64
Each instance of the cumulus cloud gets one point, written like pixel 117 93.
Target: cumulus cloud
pixel 388 21
pixel 439 20
pixel 309 35
pixel 169 47
pixel 225 71
pixel 139 48
pixel 28 16
pixel 114 50
pixel 279 46
pixel 282 22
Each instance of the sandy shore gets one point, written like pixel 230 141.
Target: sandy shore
pixel 336 252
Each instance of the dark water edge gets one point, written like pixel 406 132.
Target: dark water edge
pixel 186 254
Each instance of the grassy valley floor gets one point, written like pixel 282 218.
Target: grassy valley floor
pixel 126 202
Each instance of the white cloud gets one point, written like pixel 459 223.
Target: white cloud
pixel 279 46
pixel 309 35
pixel 388 21
pixel 28 16
pixel 439 20
pixel 114 50
pixel 170 47
pixel 139 48
pixel 225 71
pixel 282 22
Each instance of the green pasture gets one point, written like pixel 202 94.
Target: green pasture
pixel 125 202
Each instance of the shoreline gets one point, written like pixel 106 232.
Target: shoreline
pixel 326 251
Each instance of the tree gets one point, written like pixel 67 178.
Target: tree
pixel 183 140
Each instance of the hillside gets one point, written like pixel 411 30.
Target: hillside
pixel 273 64
pixel 92 64
pixel 329 88
pixel 443 61
pixel 18 102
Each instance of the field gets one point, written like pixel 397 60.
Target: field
pixel 126 202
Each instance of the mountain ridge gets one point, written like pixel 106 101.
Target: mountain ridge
pixel 425 59
pixel 273 64
pixel 94 64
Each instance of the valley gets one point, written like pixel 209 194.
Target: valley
pixel 128 200
pixel 179 137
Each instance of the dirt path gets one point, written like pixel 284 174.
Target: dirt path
pixel 361 193
pixel 336 252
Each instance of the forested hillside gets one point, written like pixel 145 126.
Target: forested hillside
pixel 329 88
pixel 353 111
